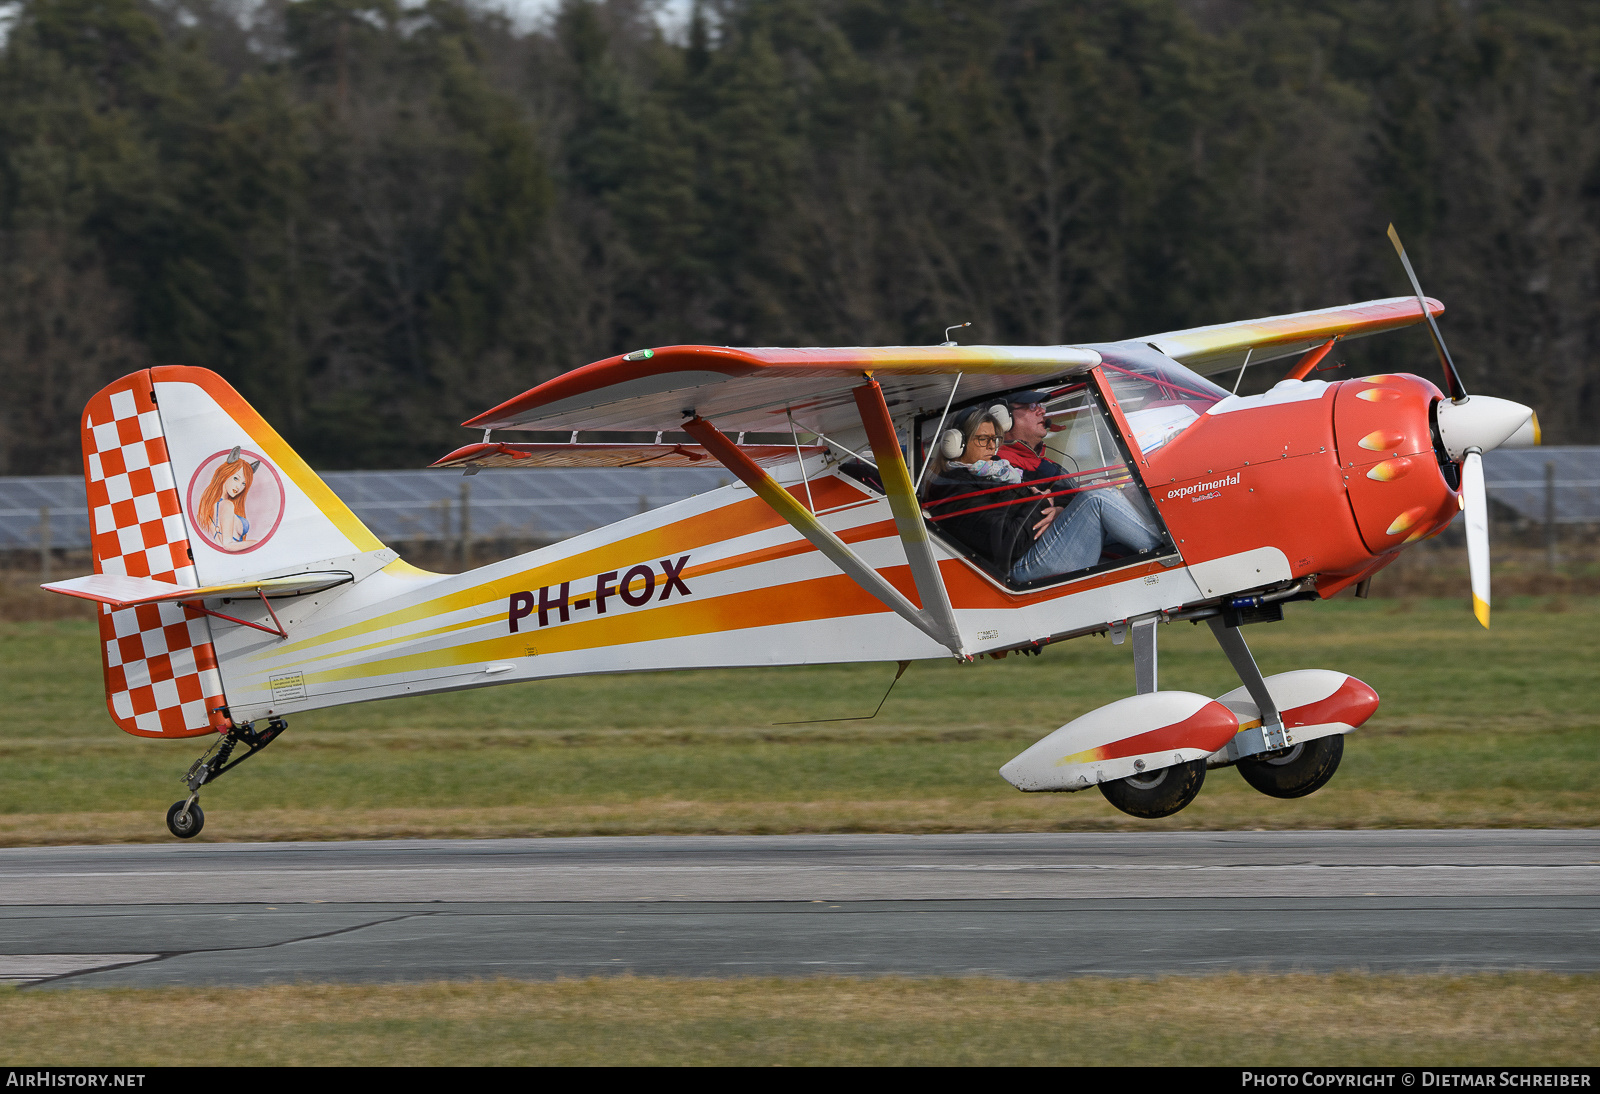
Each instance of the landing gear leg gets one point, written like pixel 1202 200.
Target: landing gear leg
pixel 185 818
pixel 1270 735
pixel 1145 660
pixel 1165 791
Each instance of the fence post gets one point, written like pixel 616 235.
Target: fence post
pixel 44 542
pixel 466 526
pixel 445 521
pixel 1550 514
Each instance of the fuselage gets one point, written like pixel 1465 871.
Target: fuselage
pixel 1312 485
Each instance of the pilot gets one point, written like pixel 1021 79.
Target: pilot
pixel 980 499
pixel 1029 427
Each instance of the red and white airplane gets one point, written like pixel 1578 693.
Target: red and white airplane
pixel 237 590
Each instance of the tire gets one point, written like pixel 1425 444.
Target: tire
pixel 1158 793
pixel 185 827
pixel 1294 772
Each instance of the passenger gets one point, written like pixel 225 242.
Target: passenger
pixel 981 500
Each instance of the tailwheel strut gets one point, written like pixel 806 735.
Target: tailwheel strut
pixel 185 818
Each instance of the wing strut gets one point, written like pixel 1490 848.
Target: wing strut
pixel 805 522
pixel 907 512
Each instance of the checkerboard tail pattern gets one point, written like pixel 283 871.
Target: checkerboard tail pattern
pixel 160 667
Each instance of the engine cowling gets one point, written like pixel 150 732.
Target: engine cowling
pixel 1397 486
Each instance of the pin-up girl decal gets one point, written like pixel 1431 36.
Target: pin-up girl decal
pixel 222 506
pixel 226 511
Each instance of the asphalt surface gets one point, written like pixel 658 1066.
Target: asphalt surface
pixel 1032 906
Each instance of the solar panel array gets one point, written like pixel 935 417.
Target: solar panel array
pixel 405 506
pixel 1516 478
pixel 549 505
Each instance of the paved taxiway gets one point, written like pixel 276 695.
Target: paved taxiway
pixel 1032 905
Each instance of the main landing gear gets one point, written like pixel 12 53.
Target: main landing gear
pixel 185 819
pixel 1272 763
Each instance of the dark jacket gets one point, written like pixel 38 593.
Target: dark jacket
pixel 1001 533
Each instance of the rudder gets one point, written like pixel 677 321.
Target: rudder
pixel 160 666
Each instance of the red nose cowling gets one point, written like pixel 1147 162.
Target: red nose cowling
pixel 1339 481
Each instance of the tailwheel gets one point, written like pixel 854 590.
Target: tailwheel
pixel 1157 793
pixel 1294 772
pixel 185 819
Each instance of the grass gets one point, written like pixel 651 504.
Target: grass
pixel 1531 1019
pixel 1477 728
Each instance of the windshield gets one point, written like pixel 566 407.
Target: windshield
pixel 1159 397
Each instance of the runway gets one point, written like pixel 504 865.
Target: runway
pixel 1030 906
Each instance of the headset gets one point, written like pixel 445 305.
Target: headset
pixel 953 442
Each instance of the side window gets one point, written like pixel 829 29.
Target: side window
pixel 1068 504
pixel 1080 440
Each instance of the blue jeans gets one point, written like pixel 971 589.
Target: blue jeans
pixel 1074 540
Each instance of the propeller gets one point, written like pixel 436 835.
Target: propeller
pixel 1468 427
pixel 1452 378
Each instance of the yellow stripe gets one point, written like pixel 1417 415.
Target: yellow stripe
pixel 830 597
pixel 1480 608
pixel 269 654
pixel 1086 756
pixel 401 568
pixel 711 527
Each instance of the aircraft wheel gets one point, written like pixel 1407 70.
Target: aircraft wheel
pixel 1294 772
pixel 185 826
pixel 1157 793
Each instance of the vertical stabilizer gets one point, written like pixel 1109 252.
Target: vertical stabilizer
pixel 254 507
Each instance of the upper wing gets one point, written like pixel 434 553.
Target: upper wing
pixel 756 389
pixel 1209 350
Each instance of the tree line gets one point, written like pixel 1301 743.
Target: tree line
pixel 376 219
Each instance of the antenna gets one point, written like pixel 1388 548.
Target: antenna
pixel 947 330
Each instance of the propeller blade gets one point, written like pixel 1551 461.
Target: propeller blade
pixel 1452 379
pixel 1474 501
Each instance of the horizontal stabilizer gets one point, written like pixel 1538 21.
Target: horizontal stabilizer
pixel 121 591
pixel 494 454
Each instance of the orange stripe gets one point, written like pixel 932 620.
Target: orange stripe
pixel 877 530
pixel 970 590
pixel 740 518
pixel 727 522
pixel 799 602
